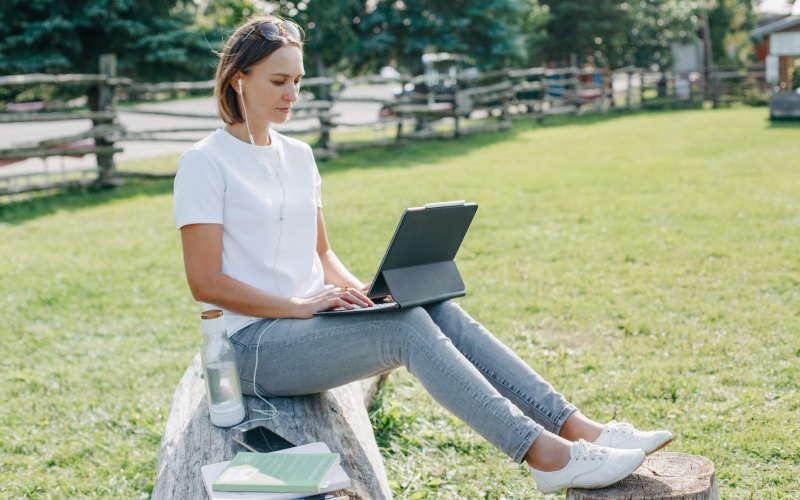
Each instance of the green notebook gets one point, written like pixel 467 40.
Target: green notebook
pixel 277 472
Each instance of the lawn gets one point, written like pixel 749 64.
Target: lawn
pixel 646 264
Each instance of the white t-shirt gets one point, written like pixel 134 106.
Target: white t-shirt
pixel 221 180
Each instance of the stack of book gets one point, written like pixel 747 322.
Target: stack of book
pixel 298 472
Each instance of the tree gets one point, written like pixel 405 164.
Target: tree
pixel 330 30
pixel 328 26
pixel 153 39
pixel 487 32
pixel 534 25
pixel 639 33
pixel 585 28
pixel 357 36
pixel 729 21
pixel 655 24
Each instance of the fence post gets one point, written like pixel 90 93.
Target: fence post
pixel 674 81
pixel 105 97
pixel 628 100
pixel 642 88
pixel 702 86
pixel 575 96
pixel 712 74
pixel 507 99
pixel 399 137
pixel 325 94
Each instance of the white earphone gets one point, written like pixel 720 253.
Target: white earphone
pixel 272 412
pixel 277 174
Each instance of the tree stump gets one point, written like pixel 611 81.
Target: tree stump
pixel 337 417
pixel 662 476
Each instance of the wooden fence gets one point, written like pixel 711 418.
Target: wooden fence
pixel 441 106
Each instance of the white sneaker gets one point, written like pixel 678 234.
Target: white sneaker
pixel 589 466
pixel 621 436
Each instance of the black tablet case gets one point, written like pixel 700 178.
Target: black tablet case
pixel 419 266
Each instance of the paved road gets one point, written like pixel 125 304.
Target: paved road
pixel 20 133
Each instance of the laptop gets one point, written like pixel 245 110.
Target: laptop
pixel 418 267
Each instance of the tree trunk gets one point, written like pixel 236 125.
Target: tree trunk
pixel 337 417
pixel 662 476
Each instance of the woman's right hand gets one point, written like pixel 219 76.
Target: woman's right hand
pixel 331 300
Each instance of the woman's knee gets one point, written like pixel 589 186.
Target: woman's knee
pixel 423 332
pixel 417 320
pixel 446 312
pixel 416 314
pixel 410 326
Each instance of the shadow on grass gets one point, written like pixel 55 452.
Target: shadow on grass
pixel 784 123
pixel 403 156
pixel 38 206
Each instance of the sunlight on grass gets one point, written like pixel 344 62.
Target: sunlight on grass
pixel 645 264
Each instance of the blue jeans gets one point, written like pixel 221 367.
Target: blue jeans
pixel 461 364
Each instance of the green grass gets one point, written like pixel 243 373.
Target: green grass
pixel 645 264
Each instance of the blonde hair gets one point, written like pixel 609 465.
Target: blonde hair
pixel 243 50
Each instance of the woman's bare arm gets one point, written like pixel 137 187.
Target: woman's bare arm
pixel 202 257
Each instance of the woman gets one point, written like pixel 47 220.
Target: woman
pixel 249 208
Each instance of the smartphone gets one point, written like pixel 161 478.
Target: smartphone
pixel 262 440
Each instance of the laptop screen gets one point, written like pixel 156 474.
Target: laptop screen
pixel 428 235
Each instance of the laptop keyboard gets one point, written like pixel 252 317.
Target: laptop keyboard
pixel 356 307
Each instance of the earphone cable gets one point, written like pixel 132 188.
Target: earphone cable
pixel 277 174
pixel 272 412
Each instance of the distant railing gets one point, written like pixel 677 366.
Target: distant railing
pixel 441 106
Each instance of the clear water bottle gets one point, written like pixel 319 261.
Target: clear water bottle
pixel 223 391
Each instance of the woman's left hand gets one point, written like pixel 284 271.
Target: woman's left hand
pixel 366 287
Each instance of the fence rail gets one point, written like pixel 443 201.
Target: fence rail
pixel 441 106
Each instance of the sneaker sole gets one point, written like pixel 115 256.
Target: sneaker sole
pixel 608 482
pixel 661 447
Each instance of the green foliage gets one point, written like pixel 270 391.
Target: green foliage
pixel 719 22
pixel 583 27
pixel 489 33
pixel 330 32
pixel 153 39
pixel 618 33
pixel 159 40
pixel 359 36
pixel 726 20
pixel 328 26
pixel 640 33
pixel 644 264
pixel 356 36
pixel 224 15
pixel 653 26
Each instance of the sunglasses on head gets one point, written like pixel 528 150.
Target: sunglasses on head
pixel 274 31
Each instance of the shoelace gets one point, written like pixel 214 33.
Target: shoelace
pixel 588 450
pixel 623 427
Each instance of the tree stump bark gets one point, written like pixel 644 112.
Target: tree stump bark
pixel 662 476
pixel 337 417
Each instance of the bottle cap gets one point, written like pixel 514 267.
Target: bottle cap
pixel 212 321
pixel 211 314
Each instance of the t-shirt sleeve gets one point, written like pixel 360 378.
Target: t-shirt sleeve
pixel 317 180
pixel 199 190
